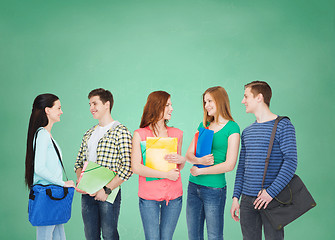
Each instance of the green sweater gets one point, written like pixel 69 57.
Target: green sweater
pixel 219 151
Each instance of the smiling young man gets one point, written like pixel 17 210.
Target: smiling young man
pixel 109 145
pixel 249 175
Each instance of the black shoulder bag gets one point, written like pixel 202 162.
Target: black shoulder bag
pixel 293 201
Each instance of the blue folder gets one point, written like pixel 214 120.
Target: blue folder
pixel 204 144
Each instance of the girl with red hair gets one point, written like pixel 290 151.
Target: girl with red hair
pixel 160 201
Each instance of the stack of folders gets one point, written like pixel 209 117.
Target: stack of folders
pixel 203 144
pixel 154 150
pixel 94 177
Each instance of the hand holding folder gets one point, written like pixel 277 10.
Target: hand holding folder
pixel 203 144
pixel 156 149
pixel 153 153
pixel 94 177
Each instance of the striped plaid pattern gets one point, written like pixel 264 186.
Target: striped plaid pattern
pixel 113 151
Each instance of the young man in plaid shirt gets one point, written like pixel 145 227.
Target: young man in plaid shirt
pixel 109 145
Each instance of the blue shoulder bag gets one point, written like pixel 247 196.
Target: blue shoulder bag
pixel 50 204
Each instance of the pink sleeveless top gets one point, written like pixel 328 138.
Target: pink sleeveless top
pixel 163 189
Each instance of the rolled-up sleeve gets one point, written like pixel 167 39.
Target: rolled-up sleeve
pixel 81 157
pixel 124 149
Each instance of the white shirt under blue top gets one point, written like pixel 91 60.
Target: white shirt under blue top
pixel 47 169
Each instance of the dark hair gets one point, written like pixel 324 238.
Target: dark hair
pixel 257 87
pixel 222 104
pixel 38 118
pixel 104 96
pixel 153 109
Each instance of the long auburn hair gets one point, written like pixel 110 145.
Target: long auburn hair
pixel 38 118
pixel 154 109
pixel 221 99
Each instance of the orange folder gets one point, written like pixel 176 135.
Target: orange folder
pixel 156 149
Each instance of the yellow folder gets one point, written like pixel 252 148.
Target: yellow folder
pixel 156 149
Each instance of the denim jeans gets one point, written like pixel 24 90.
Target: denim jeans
pixel 100 217
pixel 54 232
pixel 205 203
pixel 159 220
pixel 252 221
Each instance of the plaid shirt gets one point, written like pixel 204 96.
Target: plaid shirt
pixel 113 151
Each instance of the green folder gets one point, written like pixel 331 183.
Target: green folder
pixel 143 150
pixel 94 177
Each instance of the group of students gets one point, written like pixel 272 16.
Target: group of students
pixel 111 145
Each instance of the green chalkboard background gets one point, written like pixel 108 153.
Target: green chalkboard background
pixel 135 47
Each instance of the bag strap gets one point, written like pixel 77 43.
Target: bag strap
pixel 49 193
pixel 59 157
pixel 272 138
pixel 56 149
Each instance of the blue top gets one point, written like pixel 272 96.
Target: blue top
pixel 48 169
pixel 283 159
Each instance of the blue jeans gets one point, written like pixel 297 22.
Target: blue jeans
pixel 100 217
pixel 205 203
pixel 159 220
pixel 252 221
pixel 54 232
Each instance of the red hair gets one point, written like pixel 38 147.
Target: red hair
pixel 154 109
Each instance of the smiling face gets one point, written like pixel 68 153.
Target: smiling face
pixel 54 112
pixel 98 108
pixel 210 105
pixel 250 101
pixel 168 110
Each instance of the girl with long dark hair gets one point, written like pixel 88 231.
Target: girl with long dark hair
pixel 43 165
pixel 160 201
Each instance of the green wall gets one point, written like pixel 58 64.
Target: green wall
pixel 183 47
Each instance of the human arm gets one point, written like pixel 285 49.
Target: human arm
pixel 235 207
pixel 235 210
pixel 101 194
pixel 78 172
pixel 78 165
pixel 123 172
pixel 176 157
pixel 140 169
pixel 228 165
pixel 287 145
pixel 69 183
pixel 191 158
pixel 239 179
pixel 124 143
pixel 262 200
